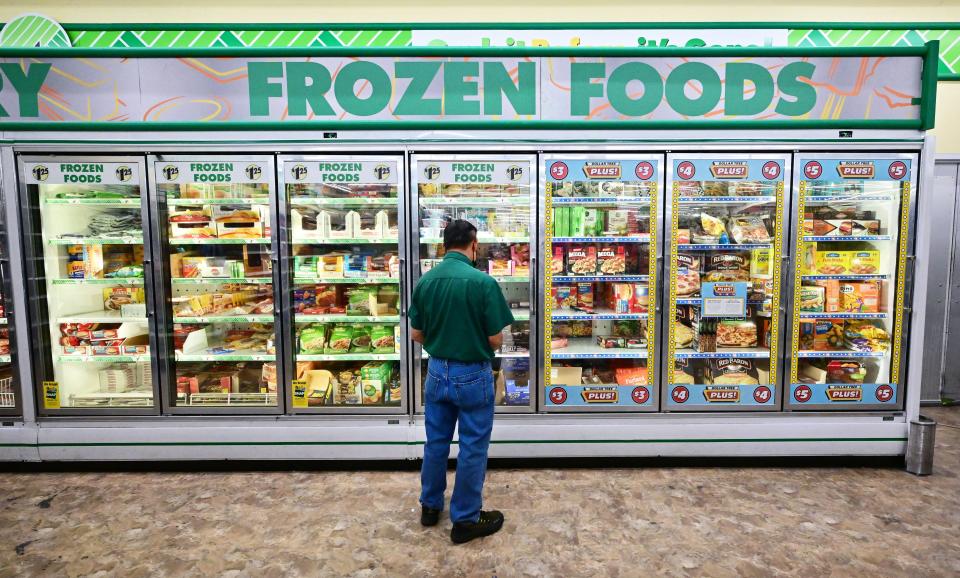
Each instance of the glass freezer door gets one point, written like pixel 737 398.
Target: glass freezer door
pixel 726 235
pixel 853 226
pixel 85 223
pixel 344 227
pixel 600 281
pixel 494 193
pixel 216 240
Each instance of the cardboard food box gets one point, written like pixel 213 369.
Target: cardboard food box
pixel 566 375
pixel 832 262
pixel 812 299
pixel 375 381
pixel 831 290
pixel 864 262
pixel 860 297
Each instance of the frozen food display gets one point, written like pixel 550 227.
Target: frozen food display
pixel 493 193
pixel 216 214
pixel 848 291
pixel 345 267
pixel 8 395
pixel 724 282
pixel 600 282
pixel 87 231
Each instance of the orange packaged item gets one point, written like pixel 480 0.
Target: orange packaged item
pixel 631 376
pixel 831 288
pixel 860 297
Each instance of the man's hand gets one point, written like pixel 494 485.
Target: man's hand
pixel 496 341
pixel 416 335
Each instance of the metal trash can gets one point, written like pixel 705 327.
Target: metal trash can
pixel 920 442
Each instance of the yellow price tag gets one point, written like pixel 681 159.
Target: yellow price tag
pixel 300 393
pixel 51 395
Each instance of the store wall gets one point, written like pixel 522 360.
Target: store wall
pixel 378 11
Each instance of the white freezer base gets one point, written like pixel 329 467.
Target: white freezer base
pixel 513 437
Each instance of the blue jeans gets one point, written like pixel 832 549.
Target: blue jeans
pixel 457 392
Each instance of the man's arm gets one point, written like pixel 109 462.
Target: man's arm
pixel 497 314
pixel 417 335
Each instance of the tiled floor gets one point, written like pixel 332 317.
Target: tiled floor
pixel 689 521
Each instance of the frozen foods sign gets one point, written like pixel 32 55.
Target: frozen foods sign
pixel 437 90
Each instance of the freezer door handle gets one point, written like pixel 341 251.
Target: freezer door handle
pixel 403 287
pixel 535 299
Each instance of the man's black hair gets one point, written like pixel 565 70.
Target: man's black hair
pixel 459 234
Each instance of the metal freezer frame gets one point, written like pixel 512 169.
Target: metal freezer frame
pixel 667 320
pixel 161 276
pixel 33 262
pixel 907 231
pixel 456 152
pixel 653 322
pixel 339 437
pixel 288 361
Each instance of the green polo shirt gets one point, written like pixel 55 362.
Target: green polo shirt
pixel 457 307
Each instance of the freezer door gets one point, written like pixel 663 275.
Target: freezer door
pixel 723 318
pixel 216 245
pixel 852 218
pixel 85 224
pixel 600 259
pixel 343 272
pixel 495 193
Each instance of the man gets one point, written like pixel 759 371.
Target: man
pixel 457 313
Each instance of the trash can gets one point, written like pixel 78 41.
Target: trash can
pixel 920 443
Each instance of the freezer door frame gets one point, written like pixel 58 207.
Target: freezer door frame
pixel 161 267
pixel 656 261
pixel 11 256
pixel 458 152
pixel 287 280
pixel 777 313
pixel 35 277
pixel 906 239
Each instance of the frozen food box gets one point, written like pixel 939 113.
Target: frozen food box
pixel 864 262
pixel 566 375
pixel 375 381
pixel 582 260
pixel 831 289
pixel 558 262
pixel 812 298
pixel 832 262
pixel 860 297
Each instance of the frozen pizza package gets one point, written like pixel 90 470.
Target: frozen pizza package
pixel 612 260
pixel 582 260
pixel 737 333
pixel 585 297
pixel 558 261
pixel 727 267
pixel 733 371
pixel 688 274
pixel 564 296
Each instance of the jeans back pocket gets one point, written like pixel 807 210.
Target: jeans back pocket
pixel 475 391
pixel 431 388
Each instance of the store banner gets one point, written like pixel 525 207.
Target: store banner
pixel 434 89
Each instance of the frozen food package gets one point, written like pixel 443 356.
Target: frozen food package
pixel 737 333
pixel 864 262
pixel 812 298
pixel 582 260
pixel 749 230
pixel 360 341
pixel 861 297
pixel 585 297
pixel 611 260
pixel 565 296
pixel 631 375
pixel 727 267
pixel 313 339
pixel 557 262
pixel 382 339
pixel 734 371
pixel 341 337
pixel 863 335
pixel 688 274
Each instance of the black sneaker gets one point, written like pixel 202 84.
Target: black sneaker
pixel 488 523
pixel 429 516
